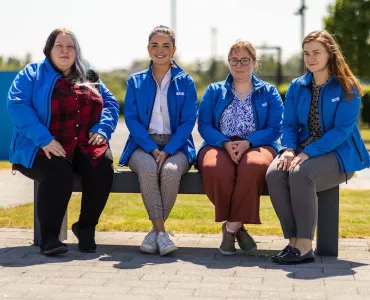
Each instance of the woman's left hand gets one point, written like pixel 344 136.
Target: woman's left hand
pixel 298 160
pixel 162 158
pixel 241 148
pixel 96 138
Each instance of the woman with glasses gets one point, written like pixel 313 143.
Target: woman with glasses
pixel 160 113
pixel 240 121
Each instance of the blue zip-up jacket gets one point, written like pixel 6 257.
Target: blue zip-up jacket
pixel 182 109
pixel 29 107
pixel 267 111
pixel 338 121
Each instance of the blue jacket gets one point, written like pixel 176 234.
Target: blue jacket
pixel 338 120
pixel 182 108
pixel 29 106
pixel 267 111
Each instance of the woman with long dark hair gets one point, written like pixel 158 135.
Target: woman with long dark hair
pixel 63 118
pixel 160 112
pixel 322 146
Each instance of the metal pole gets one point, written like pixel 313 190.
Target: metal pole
pixel 214 43
pixel 303 8
pixel 279 75
pixel 173 16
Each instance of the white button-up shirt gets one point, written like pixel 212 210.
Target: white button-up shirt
pixel 160 120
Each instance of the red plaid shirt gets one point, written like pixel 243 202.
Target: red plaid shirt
pixel 74 111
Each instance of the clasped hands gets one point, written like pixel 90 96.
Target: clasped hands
pixel 55 148
pixel 236 149
pixel 288 160
pixel 159 157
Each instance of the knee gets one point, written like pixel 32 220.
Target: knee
pixel 299 174
pixel 170 170
pixel 274 174
pixel 58 167
pixel 148 171
pixel 251 169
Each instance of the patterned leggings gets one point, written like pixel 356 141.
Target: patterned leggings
pixel 159 191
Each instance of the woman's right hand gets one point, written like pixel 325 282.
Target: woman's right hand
pixel 285 159
pixel 229 147
pixel 55 148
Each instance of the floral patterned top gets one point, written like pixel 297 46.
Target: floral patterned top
pixel 238 119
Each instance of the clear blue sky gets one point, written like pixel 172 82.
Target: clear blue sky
pixel 112 33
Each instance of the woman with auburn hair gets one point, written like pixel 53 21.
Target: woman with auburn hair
pixel 240 121
pixel 63 118
pixel 322 146
pixel 160 113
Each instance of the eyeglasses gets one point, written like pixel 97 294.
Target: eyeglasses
pixel 244 61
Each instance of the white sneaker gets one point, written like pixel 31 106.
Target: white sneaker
pixel 149 245
pixel 165 244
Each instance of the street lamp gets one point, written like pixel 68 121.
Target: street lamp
pixel 301 12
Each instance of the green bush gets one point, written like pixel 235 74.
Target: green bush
pixel 366 106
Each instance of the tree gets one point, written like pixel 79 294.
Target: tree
pixel 349 20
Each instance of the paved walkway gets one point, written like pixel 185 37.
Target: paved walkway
pixel 196 271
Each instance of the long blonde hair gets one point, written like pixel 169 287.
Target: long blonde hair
pixel 336 64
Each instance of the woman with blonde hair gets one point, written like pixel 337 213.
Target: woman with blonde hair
pixel 322 146
pixel 240 121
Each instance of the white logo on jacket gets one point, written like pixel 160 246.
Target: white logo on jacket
pixel 335 99
pixel 264 104
pixel 180 94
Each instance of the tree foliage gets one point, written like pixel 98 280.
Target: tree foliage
pixel 349 20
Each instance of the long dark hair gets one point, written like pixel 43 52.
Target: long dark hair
pixel 336 64
pixel 81 68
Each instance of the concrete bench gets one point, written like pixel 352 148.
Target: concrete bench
pixel 125 181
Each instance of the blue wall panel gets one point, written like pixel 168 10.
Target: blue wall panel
pixel 6 126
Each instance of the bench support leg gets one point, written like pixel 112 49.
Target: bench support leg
pixel 37 232
pixel 328 222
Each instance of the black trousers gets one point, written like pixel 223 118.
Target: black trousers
pixel 55 176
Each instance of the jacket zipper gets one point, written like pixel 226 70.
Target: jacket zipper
pixel 322 110
pixel 358 151
pixel 341 160
pixel 255 113
pixel 49 114
pixel 219 121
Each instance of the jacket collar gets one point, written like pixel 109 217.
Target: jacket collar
pixel 175 69
pixel 306 79
pixel 50 68
pixel 257 83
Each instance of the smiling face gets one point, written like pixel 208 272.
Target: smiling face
pixel 316 56
pixel 241 72
pixel 63 53
pixel 161 49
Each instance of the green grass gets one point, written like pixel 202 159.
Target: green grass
pixel 4 164
pixel 194 214
pixel 365 133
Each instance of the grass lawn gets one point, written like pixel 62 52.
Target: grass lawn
pixel 195 214
pixel 365 133
pixel 4 164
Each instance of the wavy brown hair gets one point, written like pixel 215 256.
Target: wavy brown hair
pixel 336 64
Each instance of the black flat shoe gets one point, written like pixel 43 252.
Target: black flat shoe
pixel 281 253
pixel 86 238
pixel 53 247
pixel 294 257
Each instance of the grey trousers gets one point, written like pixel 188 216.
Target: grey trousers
pixel 159 191
pixel 293 194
